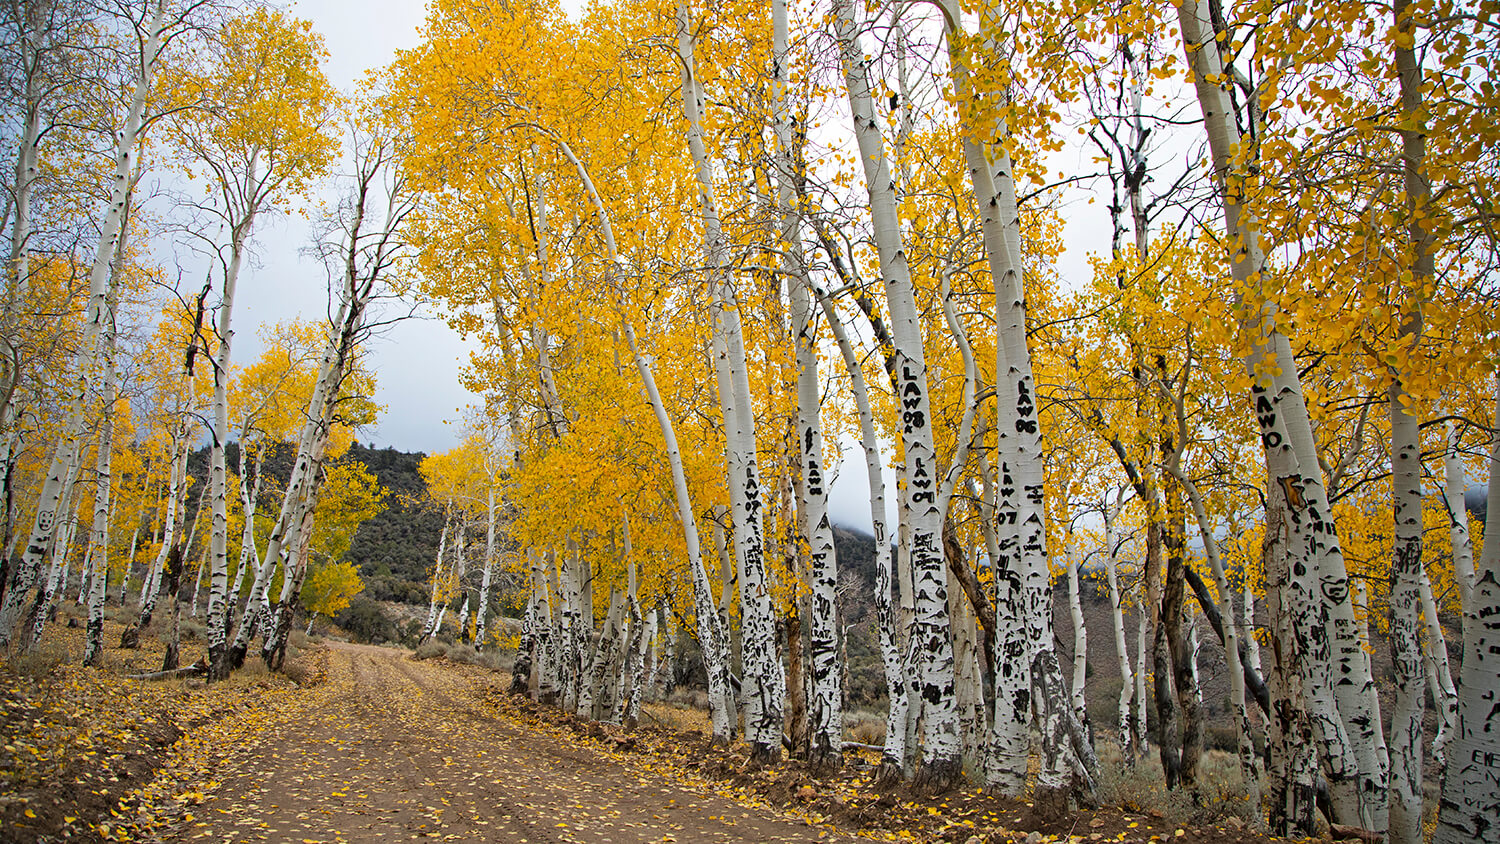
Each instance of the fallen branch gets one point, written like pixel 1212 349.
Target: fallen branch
pixel 196 668
pixel 854 745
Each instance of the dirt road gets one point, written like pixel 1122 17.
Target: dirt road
pixel 403 750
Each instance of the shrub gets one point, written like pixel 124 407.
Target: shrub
pixel 367 622
pixel 463 654
pixel 496 661
pixel 429 650
pixel 865 727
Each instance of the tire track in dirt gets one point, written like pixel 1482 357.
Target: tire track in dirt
pixel 402 751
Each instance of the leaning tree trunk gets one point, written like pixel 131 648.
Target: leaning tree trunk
pixel 279 622
pixel 1080 639
pixel 1344 714
pixel 710 633
pixel 1439 673
pixel 429 630
pixel 249 561
pixel 941 765
pixel 57 572
pixel 1470 808
pixel 301 482
pixel 764 682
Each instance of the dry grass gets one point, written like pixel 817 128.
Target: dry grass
pixel 1141 787
pixel 866 726
pixel 676 717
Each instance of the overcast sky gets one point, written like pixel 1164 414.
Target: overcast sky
pixel 416 362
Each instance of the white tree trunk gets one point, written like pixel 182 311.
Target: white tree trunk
pixel 1439 674
pixel 1117 618
pixel 429 630
pixel 1344 713
pixel 176 504
pixel 1405 822
pixel 894 756
pixel 1247 619
pixel 62 544
pixel 25 573
pixel 710 633
pixel 1456 484
pixel 1067 758
pixel 941 751
pixel 638 642
pixel 545 661
pixel 460 569
pixel 250 500
pixel 1080 638
pixel 764 681
pixel 98 573
pixel 1470 807
pixel 597 700
pixel 489 566
pixel 218 486
pixel 826 729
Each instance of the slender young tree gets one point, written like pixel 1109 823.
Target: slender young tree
pixel 764 682
pixel 256 128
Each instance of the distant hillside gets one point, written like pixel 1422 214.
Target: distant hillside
pixel 395 549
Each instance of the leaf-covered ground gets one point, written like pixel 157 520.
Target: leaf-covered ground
pixel 90 755
pixel 374 746
pixel 849 801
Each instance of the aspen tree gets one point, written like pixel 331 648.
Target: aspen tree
pixel 1295 490
pixel 257 130
pixel 489 568
pixel 765 684
pixel 25 575
pixel 827 693
pixel 1129 738
pixel 1405 823
pixel 710 633
pixel 1068 764
pixel 98 541
pixel 437 593
pixel 940 765
pixel 363 251
pixel 1470 805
